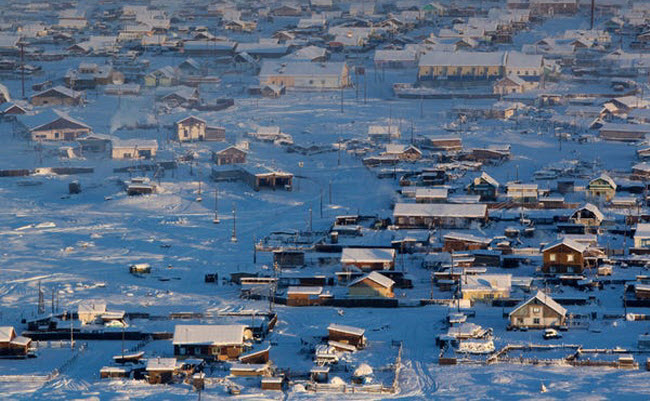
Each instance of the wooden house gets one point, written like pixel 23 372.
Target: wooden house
pixel 273 383
pixel 443 215
pixel 485 287
pixel 165 76
pixel 306 296
pixel 444 144
pixel 372 285
pixel 522 193
pixel 190 129
pixel 485 186
pixel 288 259
pixel 12 344
pixel 602 188
pixel 538 312
pixel 134 148
pixel 95 143
pixel 114 372
pixel 383 133
pixel 305 74
pixel 587 215
pixel 212 342
pixel 431 195
pixel 624 132
pixel 347 335
pixel 259 177
pixel 161 370
pixel 564 256
pixel 57 96
pixel 59 127
pixel 230 155
pixel 368 258
pixel 403 152
pixel 259 356
pixel 642 235
pixel 509 84
pixel 461 66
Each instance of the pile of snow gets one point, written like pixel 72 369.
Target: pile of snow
pixel 363 370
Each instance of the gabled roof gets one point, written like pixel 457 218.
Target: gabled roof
pixel 191 119
pixel 59 90
pixel 605 178
pixel 487 178
pixel 7 333
pixel 593 209
pixel 158 364
pixel 213 334
pixel 377 278
pixel 578 247
pixel 545 300
pixel 63 121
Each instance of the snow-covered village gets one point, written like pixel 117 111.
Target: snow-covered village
pixel 324 199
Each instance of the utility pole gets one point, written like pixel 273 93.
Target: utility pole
pixel 310 221
pixel 593 7
pixel 22 67
pixel 234 224
pixel 216 209
pixel 321 203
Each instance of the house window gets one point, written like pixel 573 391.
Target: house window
pixel 536 320
pixel 56 135
pixel 520 320
pixel 536 310
pixel 552 257
pixel 569 258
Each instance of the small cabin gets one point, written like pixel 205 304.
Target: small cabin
pixel 161 370
pixel 368 258
pixel 347 335
pixel 372 285
pixel 306 295
pixel 229 155
pixel 190 129
pixel 602 188
pixel 588 215
pixel 211 342
pixel 13 344
pixel 485 186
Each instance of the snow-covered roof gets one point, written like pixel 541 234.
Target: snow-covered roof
pixel 377 278
pixel 304 290
pixel 605 178
pixel 642 230
pixel 484 282
pixel 545 300
pixel 301 68
pixel 213 334
pixel 92 307
pixel 367 255
pixel 7 333
pixel 440 210
pixel 346 329
pixel 164 364
pixel 467 237
pixel 578 247
pixel 462 59
pixel 134 143
pixel 593 209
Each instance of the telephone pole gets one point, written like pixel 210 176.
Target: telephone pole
pixel 234 224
